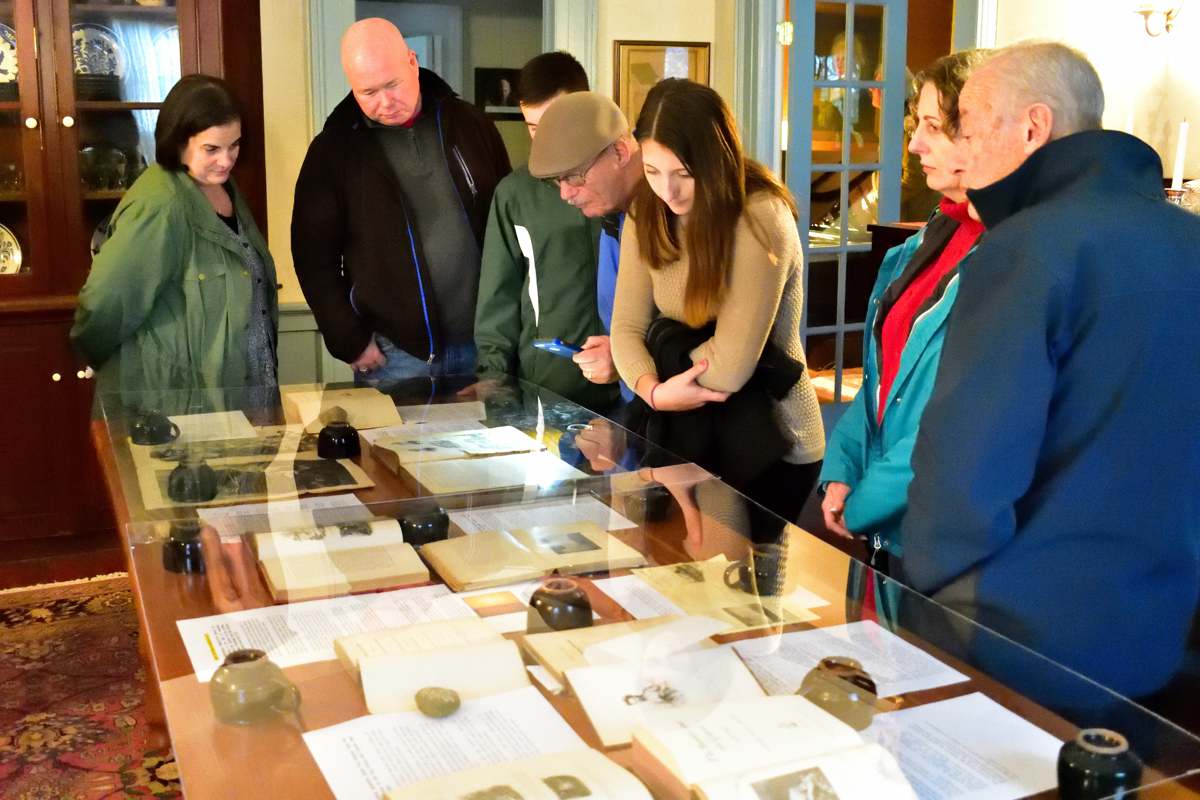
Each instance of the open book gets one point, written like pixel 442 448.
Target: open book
pixel 400 451
pixel 314 407
pixel 467 655
pixel 559 651
pixel 461 475
pixel 390 683
pixel 767 747
pixel 420 637
pixel 578 773
pixel 330 560
pixel 496 558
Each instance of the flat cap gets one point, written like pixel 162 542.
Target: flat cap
pixel 573 131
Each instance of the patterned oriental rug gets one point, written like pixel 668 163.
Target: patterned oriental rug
pixel 71 685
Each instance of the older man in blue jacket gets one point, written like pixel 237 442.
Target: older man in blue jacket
pixel 1056 491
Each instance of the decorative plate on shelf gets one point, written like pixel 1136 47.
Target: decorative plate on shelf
pixel 96 50
pixel 10 252
pixel 8 54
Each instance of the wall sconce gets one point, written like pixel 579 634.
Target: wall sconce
pixel 1159 16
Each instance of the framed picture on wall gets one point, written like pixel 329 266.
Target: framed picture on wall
pixel 496 92
pixel 637 66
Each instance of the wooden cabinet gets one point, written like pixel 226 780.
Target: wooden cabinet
pixel 81 83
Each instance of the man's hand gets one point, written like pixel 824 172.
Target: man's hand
pixel 595 360
pixel 833 507
pixel 682 392
pixel 601 443
pixel 370 358
pixel 481 389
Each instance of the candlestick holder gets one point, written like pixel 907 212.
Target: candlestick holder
pixel 1175 196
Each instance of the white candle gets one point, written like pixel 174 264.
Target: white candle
pixel 1180 156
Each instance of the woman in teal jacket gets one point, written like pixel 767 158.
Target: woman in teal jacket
pixel 868 459
pixel 182 294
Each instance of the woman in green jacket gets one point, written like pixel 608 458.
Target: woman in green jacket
pixel 867 465
pixel 182 294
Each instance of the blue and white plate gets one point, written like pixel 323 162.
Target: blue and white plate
pixel 8 54
pixel 96 50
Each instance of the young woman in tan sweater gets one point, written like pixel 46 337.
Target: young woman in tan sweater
pixel 712 238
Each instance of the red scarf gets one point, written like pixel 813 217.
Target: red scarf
pixel 899 321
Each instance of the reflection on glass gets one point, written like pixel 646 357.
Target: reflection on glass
pixel 820 351
pixel 827 206
pixel 830 25
pixel 821 295
pixel 8 58
pixel 129 53
pixel 860 279
pixel 868 41
pixel 864 144
pixel 827 126
pixel 115 147
pixel 14 224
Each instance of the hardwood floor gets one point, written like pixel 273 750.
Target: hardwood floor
pixel 59 558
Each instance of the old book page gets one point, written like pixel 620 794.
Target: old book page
pixel 366 757
pixel 495 558
pixel 400 451
pixel 390 683
pixel 421 637
pixel 329 574
pixel 700 589
pixel 860 773
pixel 620 697
pixel 494 472
pixel 559 651
pixel 701 744
pixel 362 407
pixel 577 774
pixel 312 540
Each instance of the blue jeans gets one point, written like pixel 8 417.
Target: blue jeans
pixel 456 359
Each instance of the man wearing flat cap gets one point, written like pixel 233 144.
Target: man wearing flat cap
pixel 584 144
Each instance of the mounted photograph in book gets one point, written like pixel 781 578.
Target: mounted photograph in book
pixel 637 66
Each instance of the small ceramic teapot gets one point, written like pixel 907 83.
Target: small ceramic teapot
pixel 760 573
pixel 559 604
pixel 338 439
pixel 842 687
pixel 182 551
pixel 152 427
pixel 649 504
pixel 192 480
pixel 1098 763
pixel 423 527
pixel 248 687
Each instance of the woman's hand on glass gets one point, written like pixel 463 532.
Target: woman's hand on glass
pixel 833 507
pixel 682 392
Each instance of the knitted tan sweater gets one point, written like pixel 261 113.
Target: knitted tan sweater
pixel 764 300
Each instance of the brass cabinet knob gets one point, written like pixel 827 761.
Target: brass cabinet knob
pixel 68 121
pixel 56 377
pixel 31 122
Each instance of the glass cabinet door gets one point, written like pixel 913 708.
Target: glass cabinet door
pixel 21 220
pixel 846 109
pixel 125 57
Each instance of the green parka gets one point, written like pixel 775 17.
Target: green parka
pixel 167 302
pixel 538 281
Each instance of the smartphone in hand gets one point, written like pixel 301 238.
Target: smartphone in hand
pixel 557 347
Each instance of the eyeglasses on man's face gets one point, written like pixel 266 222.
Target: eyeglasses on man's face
pixel 577 178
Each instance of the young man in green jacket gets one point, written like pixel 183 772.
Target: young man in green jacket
pixel 538 276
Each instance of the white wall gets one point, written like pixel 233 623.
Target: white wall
pixel 494 33
pixel 287 116
pixel 1146 80
pixel 669 20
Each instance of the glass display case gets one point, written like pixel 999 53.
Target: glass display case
pixel 466 591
